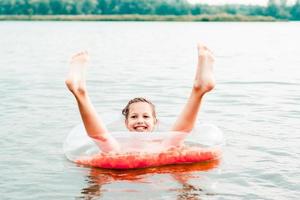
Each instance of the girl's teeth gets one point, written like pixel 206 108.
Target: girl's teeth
pixel 140 128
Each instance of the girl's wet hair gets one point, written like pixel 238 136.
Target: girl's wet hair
pixel 125 111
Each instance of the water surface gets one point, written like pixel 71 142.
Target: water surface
pixel 255 103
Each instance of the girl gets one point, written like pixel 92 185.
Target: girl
pixel 140 115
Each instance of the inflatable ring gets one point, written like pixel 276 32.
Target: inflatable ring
pixel 141 150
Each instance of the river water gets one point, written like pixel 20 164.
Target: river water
pixel 256 104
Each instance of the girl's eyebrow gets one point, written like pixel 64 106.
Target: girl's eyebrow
pixel 137 114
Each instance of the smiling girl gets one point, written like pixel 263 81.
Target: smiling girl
pixel 140 115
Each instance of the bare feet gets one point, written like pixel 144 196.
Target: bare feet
pixel 204 80
pixel 75 79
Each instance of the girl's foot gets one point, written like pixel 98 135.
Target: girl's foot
pixel 75 80
pixel 204 80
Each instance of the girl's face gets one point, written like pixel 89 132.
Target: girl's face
pixel 140 117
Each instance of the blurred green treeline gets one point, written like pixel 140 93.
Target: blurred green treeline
pixel 277 9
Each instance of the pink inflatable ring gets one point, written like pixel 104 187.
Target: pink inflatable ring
pixel 141 150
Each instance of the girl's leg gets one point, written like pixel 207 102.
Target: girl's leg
pixel 204 82
pixel 75 82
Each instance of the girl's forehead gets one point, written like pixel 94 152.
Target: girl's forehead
pixel 140 106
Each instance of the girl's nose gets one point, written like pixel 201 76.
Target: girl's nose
pixel 140 120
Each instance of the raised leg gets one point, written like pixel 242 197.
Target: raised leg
pixel 204 82
pixel 76 83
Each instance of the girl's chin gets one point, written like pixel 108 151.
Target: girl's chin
pixel 145 130
pixel 139 130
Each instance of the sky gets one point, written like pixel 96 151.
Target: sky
pixel 247 2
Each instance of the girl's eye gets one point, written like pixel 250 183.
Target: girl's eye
pixel 146 116
pixel 133 117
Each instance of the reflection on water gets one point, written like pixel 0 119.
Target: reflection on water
pixel 181 174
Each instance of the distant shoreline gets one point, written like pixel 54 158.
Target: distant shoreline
pixel 175 18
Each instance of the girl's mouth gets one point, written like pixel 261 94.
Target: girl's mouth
pixel 140 128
